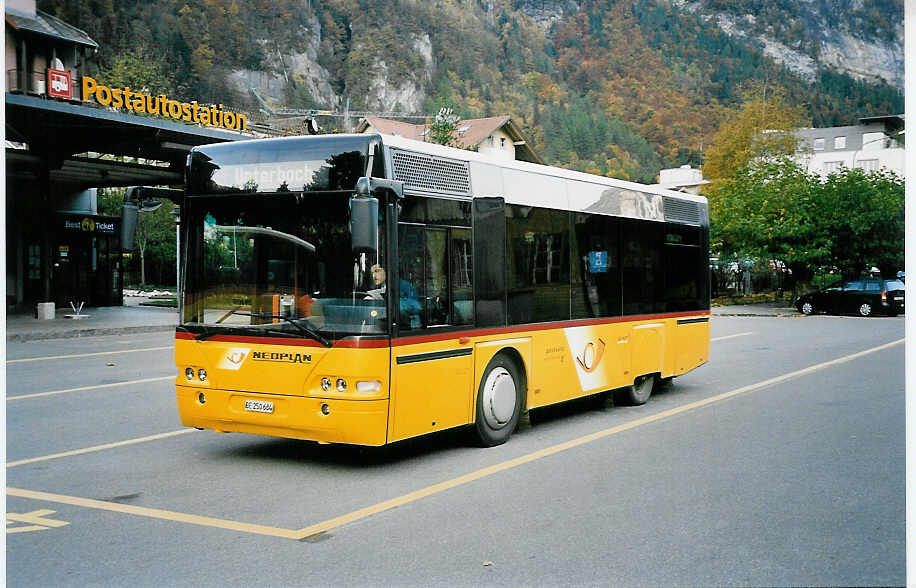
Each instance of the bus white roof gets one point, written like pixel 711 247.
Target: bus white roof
pixel 531 184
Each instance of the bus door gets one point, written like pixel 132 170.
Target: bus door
pixel 432 366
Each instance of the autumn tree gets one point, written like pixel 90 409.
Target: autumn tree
pixel 773 209
pixel 864 212
pixel 136 71
pixel 762 128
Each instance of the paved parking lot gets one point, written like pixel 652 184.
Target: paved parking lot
pixel 781 462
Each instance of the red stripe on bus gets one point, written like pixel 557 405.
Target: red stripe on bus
pixel 539 327
pixel 359 343
pixel 343 343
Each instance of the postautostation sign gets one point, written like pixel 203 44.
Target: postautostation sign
pixel 140 103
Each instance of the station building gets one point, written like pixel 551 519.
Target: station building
pixel 66 136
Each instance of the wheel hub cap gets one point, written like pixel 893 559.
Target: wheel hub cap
pixel 499 398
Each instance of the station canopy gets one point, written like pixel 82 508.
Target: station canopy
pixel 84 147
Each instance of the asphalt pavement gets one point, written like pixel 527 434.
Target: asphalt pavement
pixel 779 463
pixel 134 317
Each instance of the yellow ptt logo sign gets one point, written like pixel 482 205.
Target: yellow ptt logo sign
pixel 87 225
pixel 591 356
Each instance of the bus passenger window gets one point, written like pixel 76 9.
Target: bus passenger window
pixel 538 240
pixel 685 288
pixel 410 272
pixel 461 254
pixel 640 260
pixel 596 267
pixel 437 298
pixel 437 264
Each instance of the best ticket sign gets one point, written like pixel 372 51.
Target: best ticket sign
pixel 138 102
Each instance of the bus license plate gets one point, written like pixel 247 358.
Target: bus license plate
pixel 259 406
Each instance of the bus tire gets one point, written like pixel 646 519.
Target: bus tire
pixel 637 394
pixel 500 397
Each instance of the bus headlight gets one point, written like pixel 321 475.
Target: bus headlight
pixel 202 374
pixel 341 385
pixel 368 387
pixel 189 373
pixel 325 384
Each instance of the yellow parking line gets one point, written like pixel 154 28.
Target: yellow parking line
pixel 78 355
pixel 12 464
pixel 512 463
pixel 154 513
pixel 83 388
pixel 368 511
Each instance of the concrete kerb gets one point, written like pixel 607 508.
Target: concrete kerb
pixel 98 321
pixel 76 333
pixel 757 310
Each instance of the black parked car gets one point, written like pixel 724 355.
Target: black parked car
pixel 865 297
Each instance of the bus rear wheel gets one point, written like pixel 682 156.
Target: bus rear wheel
pixel 638 393
pixel 500 398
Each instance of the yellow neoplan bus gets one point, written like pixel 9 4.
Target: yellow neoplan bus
pixel 367 289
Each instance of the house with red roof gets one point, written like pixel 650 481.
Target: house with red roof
pixel 498 136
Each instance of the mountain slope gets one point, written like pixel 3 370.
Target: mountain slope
pixel 618 88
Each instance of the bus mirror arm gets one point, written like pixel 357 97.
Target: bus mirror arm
pixel 368 186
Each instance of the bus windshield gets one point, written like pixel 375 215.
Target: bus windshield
pixel 280 264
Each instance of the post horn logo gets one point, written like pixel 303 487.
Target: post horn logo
pixel 591 356
pixel 237 356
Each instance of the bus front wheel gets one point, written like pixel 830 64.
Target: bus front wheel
pixel 500 397
pixel 638 393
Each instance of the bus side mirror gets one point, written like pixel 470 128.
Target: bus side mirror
pixel 139 199
pixel 364 223
pixel 364 211
pixel 129 212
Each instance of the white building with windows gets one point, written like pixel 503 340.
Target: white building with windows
pixel 875 143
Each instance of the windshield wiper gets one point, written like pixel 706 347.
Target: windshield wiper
pixel 206 333
pixel 302 328
pixel 307 330
pixel 294 322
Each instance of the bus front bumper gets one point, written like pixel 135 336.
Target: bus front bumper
pixel 360 422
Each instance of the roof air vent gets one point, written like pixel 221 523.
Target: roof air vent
pixel 426 173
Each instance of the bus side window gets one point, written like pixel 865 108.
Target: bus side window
pixel 538 264
pixel 596 266
pixel 410 270
pixel 437 263
pixel 683 261
pixel 462 271
pixel 437 298
pixel 640 260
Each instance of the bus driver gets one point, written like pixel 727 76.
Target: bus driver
pixel 409 305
